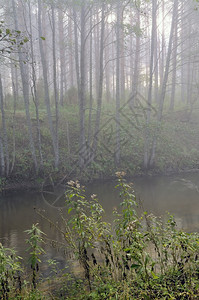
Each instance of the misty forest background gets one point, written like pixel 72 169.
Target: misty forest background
pixel 91 87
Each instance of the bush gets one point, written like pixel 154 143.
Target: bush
pixel 139 256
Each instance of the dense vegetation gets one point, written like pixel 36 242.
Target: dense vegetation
pixel 137 257
pixel 177 148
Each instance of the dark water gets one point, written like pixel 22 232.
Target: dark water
pixel 177 194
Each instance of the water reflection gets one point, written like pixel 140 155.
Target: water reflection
pixel 177 194
pixel 17 214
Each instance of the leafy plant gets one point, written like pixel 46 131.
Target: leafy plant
pixel 10 269
pixel 140 256
pixel 35 250
pixel 85 228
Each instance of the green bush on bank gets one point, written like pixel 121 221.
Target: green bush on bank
pixel 137 257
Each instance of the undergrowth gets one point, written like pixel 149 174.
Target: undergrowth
pixel 177 146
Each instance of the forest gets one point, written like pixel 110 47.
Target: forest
pixel 99 92
pixel 91 87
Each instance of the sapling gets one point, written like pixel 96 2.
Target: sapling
pixel 35 250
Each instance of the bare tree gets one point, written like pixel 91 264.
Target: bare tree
pixel 25 84
pixel 165 79
pixel 100 84
pixel 47 97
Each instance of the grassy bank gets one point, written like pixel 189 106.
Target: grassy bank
pixel 177 145
pixel 139 256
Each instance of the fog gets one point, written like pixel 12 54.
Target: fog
pixel 88 88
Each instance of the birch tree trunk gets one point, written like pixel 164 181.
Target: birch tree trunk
pixel 136 60
pixel 4 130
pixel 118 41
pixel 174 65
pixel 15 97
pixel 82 92
pixel 71 60
pixel 55 87
pixel 77 63
pixel 25 86
pixel 164 83
pixel 90 84
pixel 151 73
pixel 47 97
pixel 61 55
pixel 34 88
pixel 100 84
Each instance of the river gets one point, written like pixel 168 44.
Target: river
pixel 177 194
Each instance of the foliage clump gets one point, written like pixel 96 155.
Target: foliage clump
pixel 139 256
pixel 10 280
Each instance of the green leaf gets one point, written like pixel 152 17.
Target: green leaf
pixel 70 209
pixel 43 38
pixel 135 266
pixel 127 249
pixel 154 276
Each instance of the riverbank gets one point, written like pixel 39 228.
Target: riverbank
pixel 13 184
pixel 177 149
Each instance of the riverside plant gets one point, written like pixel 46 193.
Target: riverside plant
pixel 139 256
pixel 35 250
pixel 13 284
pixel 10 273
